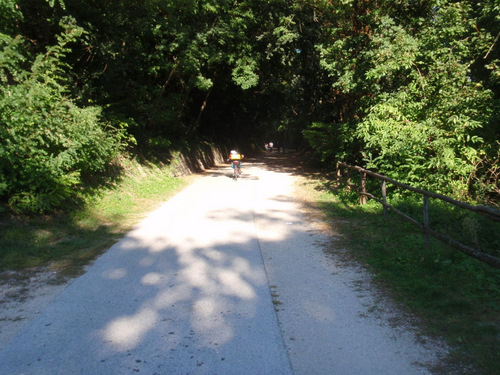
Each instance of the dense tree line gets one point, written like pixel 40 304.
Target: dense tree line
pixel 409 88
pixel 415 87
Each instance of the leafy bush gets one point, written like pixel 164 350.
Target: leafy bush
pixel 48 141
pixel 407 103
pixel 426 132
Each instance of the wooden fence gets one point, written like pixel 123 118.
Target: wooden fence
pixel 488 212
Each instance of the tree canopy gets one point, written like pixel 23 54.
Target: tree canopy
pixel 409 88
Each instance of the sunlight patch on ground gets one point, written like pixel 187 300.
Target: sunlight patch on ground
pixel 115 274
pixel 127 332
pixel 152 278
pixel 209 323
pixel 233 284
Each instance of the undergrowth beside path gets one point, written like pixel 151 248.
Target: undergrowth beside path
pixel 456 297
pixel 66 241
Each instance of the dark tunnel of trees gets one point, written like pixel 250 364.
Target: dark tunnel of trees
pixel 407 88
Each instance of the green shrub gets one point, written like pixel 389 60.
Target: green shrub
pixel 48 141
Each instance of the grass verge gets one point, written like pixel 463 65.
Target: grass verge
pixel 456 297
pixel 69 240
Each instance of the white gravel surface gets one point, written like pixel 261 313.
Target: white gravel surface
pixel 333 319
pixel 227 277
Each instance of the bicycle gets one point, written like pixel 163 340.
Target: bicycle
pixel 236 165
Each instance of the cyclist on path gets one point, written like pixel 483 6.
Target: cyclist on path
pixel 235 158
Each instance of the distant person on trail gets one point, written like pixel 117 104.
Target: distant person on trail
pixel 235 158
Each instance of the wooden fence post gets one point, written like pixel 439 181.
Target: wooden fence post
pixel 363 198
pixel 384 197
pixel 426 221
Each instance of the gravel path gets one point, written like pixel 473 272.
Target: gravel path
pixel 227 277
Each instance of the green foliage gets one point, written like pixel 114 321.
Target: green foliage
pixel 244 73
pixel 409 97
pixel 10 14
pixel 326 140
pixel 411 89
pixel 49 142
pixel 425 132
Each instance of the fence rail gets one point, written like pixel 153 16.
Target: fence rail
pixel 488 212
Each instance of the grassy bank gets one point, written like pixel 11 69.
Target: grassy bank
pixel 456 297
pixel 68 240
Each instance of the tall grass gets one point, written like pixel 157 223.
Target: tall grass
pixel 67 240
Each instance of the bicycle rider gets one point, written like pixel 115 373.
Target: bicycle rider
pixel 235 158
